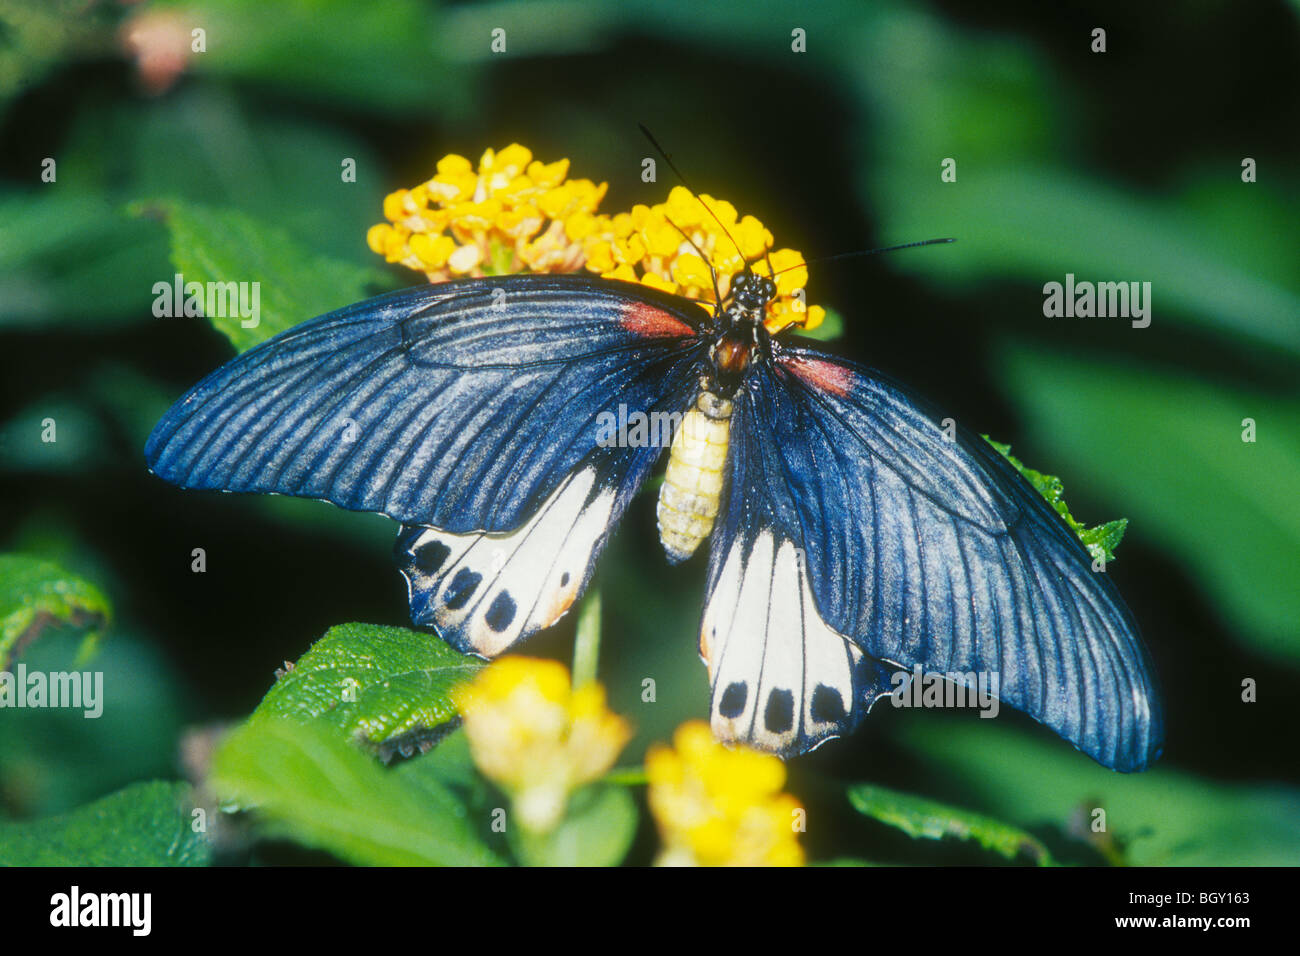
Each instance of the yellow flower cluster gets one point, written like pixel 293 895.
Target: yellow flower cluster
pixel 514 214
pixel 536 737
pixel 721 807
pixel 647 245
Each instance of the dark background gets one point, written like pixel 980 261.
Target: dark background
pixel 1123 165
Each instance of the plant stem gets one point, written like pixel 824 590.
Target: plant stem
pixel 627 776
pixel 586 644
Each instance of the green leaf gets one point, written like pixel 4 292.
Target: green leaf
pixel 381 686
pixel 35 594
pixel 293 282
pixel 447 776
pixel 147 824
pixel 1162 817
pixel 448 768
pixel 926 819
pixel 70 255
pixel 832 327
pixel 627 777
pixel 310 785
pixel 1169 446
pixel 597 830
pixel 1100 541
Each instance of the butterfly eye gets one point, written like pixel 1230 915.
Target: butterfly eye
pixel 769 288
pixel 739 281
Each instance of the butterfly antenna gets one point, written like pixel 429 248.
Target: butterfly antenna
pixel 867 252
pixel 686 182
pixel 713 273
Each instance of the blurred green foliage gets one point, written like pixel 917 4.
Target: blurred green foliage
pixel 234 173
pixel 929 820
pixel 1159 818
pixel 214 245
pixel 36 594
pixel 1171 447
pixel 389 688
pixel 54 760
pixel 359 56
pixel 146 824
pixel 313 786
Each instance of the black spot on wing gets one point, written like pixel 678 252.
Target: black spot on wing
pixel 827 705
pixel 733 700
pixel 462 588
pixel 778 717
pixel 501 613
pixel 431 557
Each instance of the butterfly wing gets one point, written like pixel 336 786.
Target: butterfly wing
pixel 474 412
pixel 895 547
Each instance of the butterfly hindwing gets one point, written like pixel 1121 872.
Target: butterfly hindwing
pixel 782 679
pixel 920 550
pixel 485 592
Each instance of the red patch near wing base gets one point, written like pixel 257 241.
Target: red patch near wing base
pixel 828 376
pixel 654 323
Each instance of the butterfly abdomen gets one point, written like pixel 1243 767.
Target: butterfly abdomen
pixel 688 499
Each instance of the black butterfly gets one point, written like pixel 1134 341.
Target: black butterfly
pixel 852 539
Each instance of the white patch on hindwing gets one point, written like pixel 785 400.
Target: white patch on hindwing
pixel 486 591
pixel 783 680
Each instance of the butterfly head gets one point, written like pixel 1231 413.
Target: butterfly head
pixel 748 296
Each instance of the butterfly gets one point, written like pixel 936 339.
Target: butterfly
pixel 849 536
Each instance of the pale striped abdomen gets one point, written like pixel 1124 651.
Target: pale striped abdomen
pixel 689 497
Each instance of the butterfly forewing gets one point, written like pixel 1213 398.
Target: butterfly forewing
pixel 466 408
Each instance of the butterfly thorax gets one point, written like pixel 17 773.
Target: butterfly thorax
pixel 740 336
